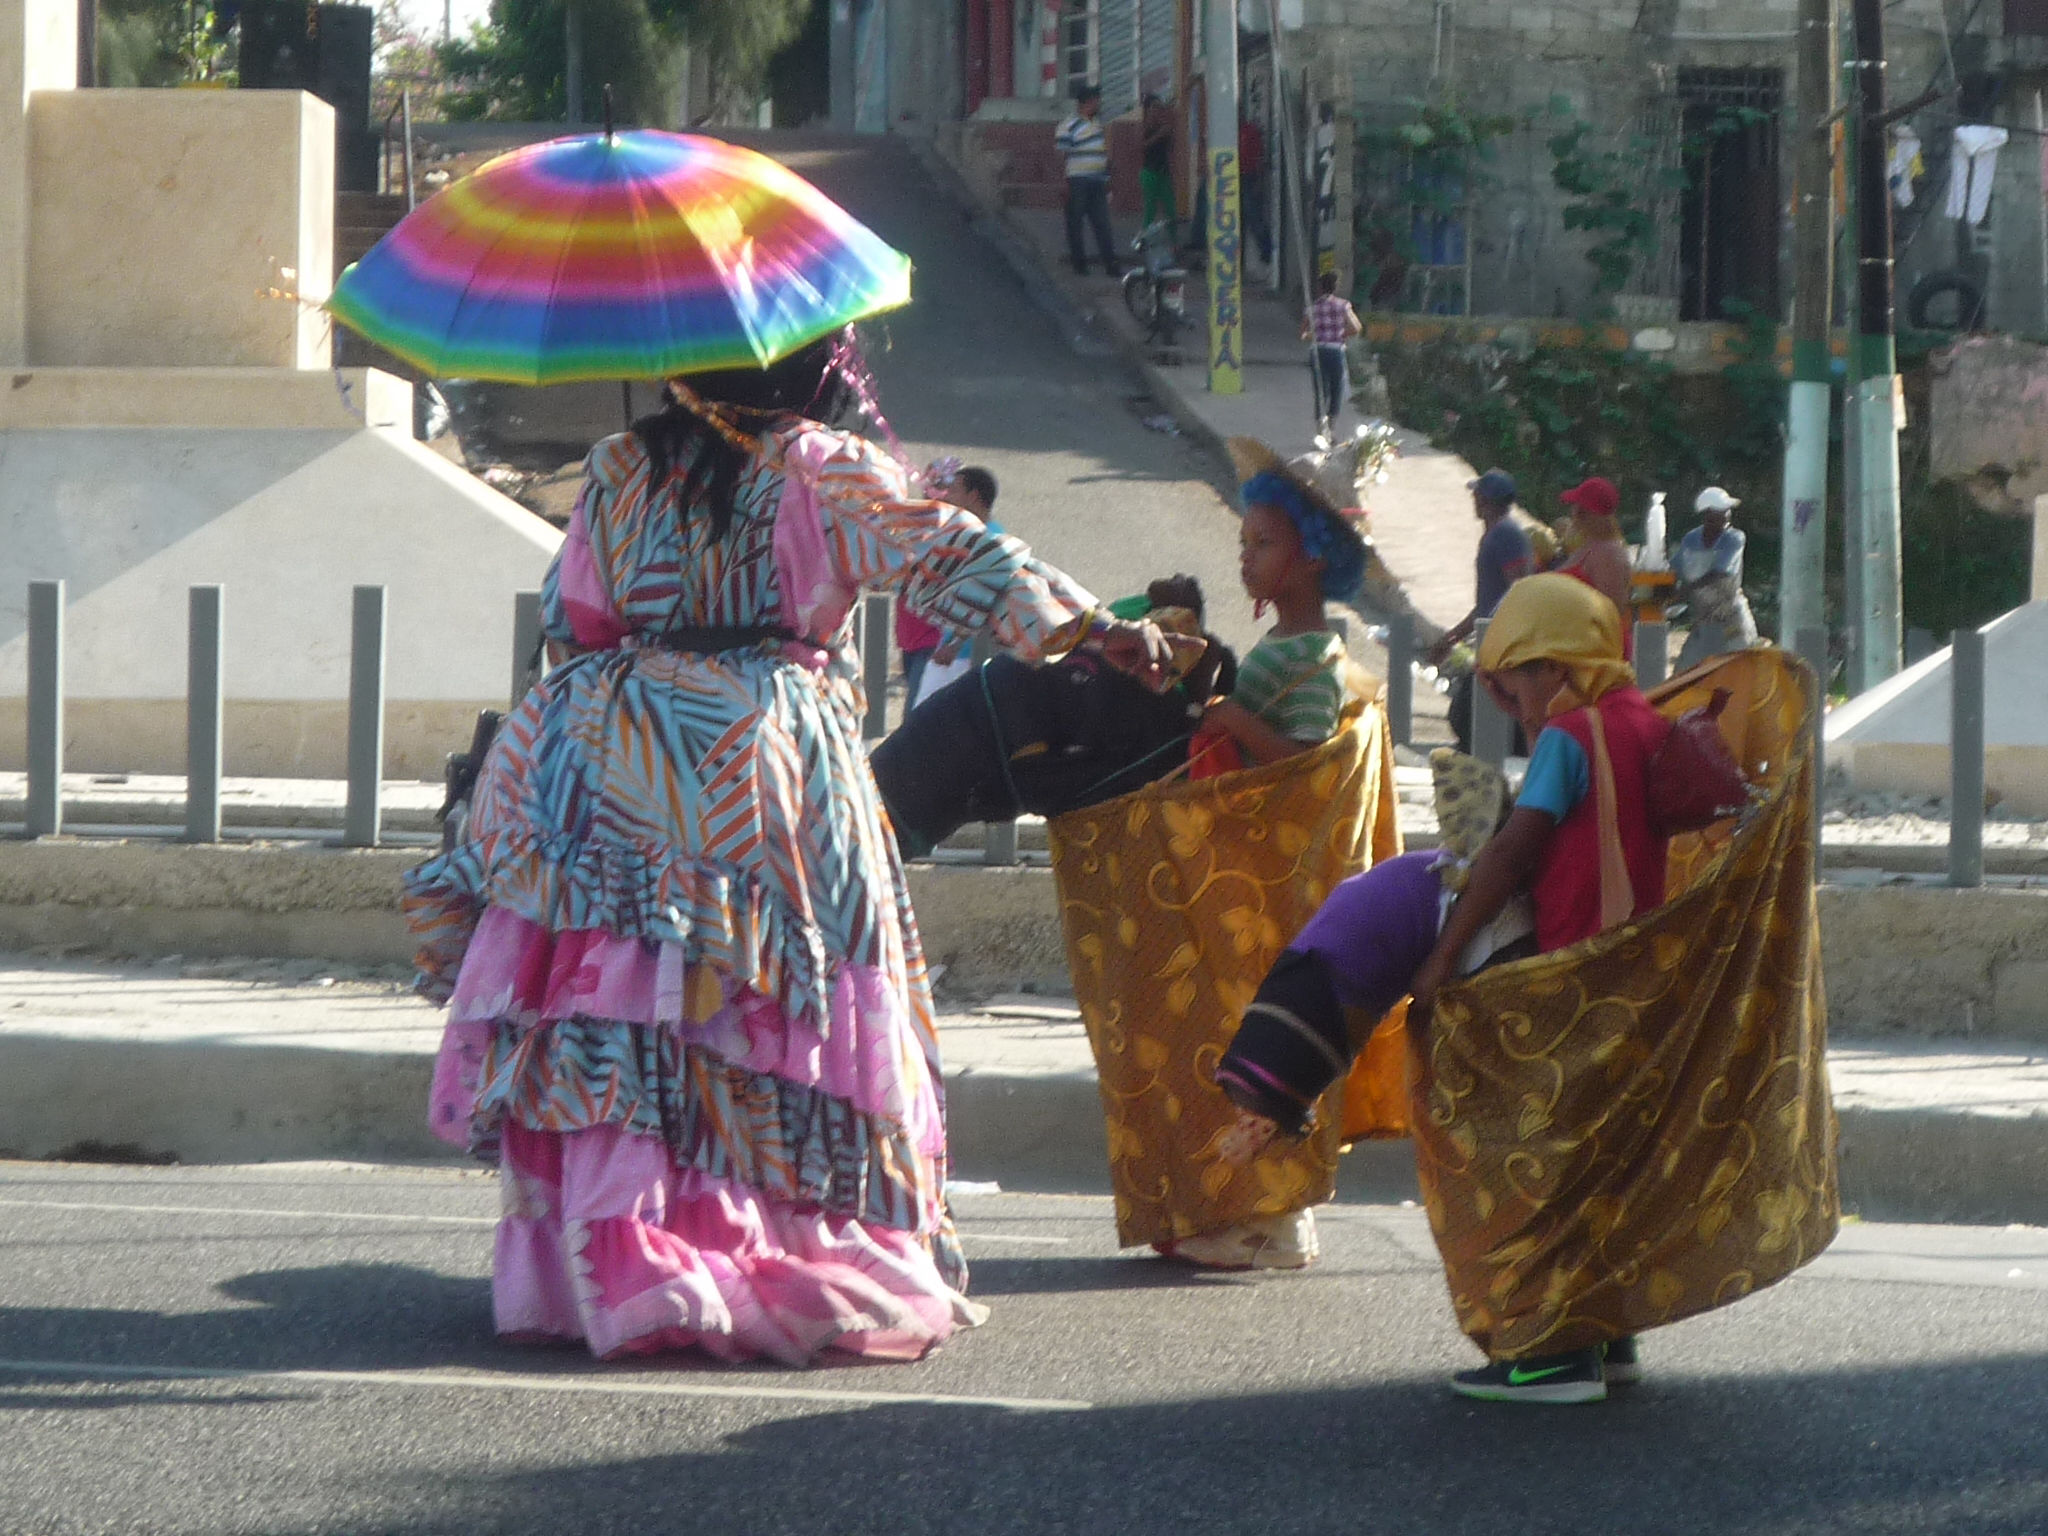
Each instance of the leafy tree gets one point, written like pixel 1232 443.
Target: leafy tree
pixel 407 59
pixel 162 42
pixel 515 67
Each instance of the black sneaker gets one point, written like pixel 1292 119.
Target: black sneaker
pixel 1620 1364
pixel 1568 1378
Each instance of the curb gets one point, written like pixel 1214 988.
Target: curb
pixel 205 1102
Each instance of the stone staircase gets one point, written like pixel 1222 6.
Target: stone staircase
pixel 361 219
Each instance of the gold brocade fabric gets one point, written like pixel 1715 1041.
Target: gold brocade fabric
pixel 1177 899
pixel 1637 1128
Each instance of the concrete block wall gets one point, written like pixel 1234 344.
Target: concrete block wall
pixel 1377 58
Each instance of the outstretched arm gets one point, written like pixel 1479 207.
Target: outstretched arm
pixel 1506 866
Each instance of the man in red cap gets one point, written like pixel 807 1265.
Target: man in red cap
pixel 1598 557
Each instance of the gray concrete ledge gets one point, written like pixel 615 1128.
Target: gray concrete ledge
pixel 1902 960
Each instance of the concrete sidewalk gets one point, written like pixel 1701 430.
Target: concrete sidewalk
pixel 248 1062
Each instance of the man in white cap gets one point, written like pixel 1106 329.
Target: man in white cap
pixel 1709 569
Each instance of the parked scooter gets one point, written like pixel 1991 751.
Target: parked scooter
pixel 1155 287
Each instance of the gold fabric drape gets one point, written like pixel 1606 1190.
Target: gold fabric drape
pixel 1638 1128
pixel 1177 899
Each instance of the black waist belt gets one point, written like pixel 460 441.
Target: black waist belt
pixel 704 638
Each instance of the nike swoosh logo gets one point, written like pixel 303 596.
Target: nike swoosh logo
pixel 1517 1377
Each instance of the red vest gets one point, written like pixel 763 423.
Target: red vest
pixel 1567 885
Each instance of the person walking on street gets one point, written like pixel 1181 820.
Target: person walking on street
pixel 1155 170
pixel 1251 169
pixel 1709 569
pixel 1505 557
pixel 1329 323
pixel 1081 141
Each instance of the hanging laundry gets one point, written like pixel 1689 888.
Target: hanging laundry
pixel 1971 169
pixel 1905 166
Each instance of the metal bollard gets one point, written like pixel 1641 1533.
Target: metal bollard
pixel 1493 733
pixel 206 680
pixel 1653 654
pixel 1966 759
pixel 875 638
pixel 363 820
pixel 45 708
pixel 1920 645
pixel 1401 679
pixel 527 660
pixel 1813 649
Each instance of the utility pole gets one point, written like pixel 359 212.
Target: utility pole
pixel 1877 652
pixel 1226 223
pixel 572 62
pixel 1802 583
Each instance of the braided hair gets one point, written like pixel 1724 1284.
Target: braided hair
pixel 808 383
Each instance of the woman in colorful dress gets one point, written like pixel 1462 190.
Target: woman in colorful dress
pixel 689 1016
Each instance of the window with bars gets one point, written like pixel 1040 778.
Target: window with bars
pixel 1080 51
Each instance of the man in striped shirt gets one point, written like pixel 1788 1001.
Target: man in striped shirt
pixel 1080 140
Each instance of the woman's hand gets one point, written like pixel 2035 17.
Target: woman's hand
pixel 1138 649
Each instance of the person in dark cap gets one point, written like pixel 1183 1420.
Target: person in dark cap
pixel 1505 557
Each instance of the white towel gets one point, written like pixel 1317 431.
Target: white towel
pixel 1971 169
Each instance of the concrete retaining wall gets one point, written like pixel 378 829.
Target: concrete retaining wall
pixel 1906 960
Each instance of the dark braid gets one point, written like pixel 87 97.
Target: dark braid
pixel 677 440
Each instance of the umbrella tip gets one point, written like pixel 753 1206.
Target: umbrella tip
pixel 607 112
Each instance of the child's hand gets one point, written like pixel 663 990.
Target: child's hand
pixel 1227 715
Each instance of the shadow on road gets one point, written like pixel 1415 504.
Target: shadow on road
pixel 1861 1452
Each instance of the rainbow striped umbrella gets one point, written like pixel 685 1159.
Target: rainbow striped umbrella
pixel 618 256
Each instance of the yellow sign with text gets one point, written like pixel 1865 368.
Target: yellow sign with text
pixel 1226 274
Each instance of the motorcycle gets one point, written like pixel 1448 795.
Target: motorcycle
pixel 1155 288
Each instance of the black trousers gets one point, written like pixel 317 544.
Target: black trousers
pixel 1088 208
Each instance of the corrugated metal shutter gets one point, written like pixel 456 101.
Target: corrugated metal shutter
pixel 1156 45
pixel 1116 35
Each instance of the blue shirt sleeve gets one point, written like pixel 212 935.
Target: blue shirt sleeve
pixel 1559 775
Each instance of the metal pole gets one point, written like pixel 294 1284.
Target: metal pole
pixel 1813 647
pixel 1966 759
pixel 1803 510
pixel 1653 653
pixel 1493 733
pixel 1877 424
pixel 1401 679
pixel 1226 243
pixel 45 708
pixel 874 663
pixel 526 657
pixel 206 682
pixel 362 821
pixel 572 66
pixel 839 66
pixel 411 181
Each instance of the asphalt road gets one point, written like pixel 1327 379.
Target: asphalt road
pixel 295 1350
pixel 976 367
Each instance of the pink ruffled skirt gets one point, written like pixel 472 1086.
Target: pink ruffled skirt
pixel 683 1166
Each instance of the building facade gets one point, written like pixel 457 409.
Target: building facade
pixel 1465 116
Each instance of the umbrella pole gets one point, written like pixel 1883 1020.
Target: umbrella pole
pixel 626 399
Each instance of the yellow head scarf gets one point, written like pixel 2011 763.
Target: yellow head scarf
pixel 1560 619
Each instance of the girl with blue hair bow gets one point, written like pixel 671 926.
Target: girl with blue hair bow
pixel 1297 552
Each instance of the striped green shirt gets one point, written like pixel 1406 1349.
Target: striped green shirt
pixel 1313 664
